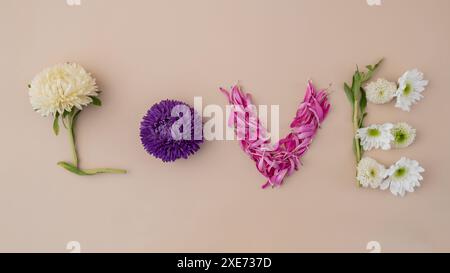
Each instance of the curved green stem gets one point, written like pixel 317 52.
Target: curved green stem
pixel 74 166
pixel 74 169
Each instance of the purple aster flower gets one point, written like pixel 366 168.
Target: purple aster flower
pixel 171 130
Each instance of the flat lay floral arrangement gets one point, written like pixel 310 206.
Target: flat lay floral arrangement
pixel 173 130
pixel 404 175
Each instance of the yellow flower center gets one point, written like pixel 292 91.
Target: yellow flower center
pixel 408 89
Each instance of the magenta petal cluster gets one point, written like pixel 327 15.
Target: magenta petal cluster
pixel 278 161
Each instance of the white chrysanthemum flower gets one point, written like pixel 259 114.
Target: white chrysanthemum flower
pixel 403 177
pixel 370 173
pixel 381 91
pixel 409 92
pixel 404 135
pixel 60 88
pixel 376 137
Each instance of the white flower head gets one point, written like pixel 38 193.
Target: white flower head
pixel 404 135
pixel 60 88
pixel 370 173
pixel 381 91
pixel 376 137
pixel 403 177
pixel 409 92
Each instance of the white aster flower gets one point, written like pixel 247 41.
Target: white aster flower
pixel 403 177
pixel 381 91
pixel 409 92
pixel 370 173
pixel 60 88
pixel 404 135
pixel 376 137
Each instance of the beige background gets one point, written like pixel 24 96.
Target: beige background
pixel 143 51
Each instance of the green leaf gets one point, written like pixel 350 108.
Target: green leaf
pixel 56 124
pixel 356 87
pixel 368 76
pixel 371 71
pixel 363 101
pixel 374 67
pixel 361 120
pixel 64 118
pixel 378 64
pixel 65 114
pixel 75 115
pixel 96 101
pixel 72 114
pixel 358 75
pixel 349 93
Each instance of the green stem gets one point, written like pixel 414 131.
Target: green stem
pixel 74 169
pixel 104 170
pixel 355 129
pixel 73 142
pixel 74 166
pixel 356 139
